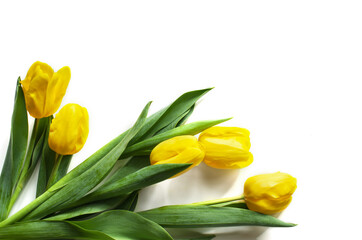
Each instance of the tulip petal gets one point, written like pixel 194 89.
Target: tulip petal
pixel 226 147
pixel 181 149
pixel 34 96
pixel 32 73
pixel 56 90
pixel 69 130
pixel 269 193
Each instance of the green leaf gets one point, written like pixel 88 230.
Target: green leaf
pixel 186 116
pixel 112 225
pixel 49 230
pixel 135 181
pixel 16 150
pixel 19 133
pixel 5 185
pixel 188 129
pixel 87 180
pixel 133 165
pixel 47 161
pixel 124 225
pixel 130 203
pixel 90 208
pixel 182 216
pixel 124 202
pixel 63 167
pixel 119 190
pixel 178 121
pixel 166 116
pixel 33 155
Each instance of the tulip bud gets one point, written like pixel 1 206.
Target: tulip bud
pixel 69 130
pixel 181 149
pixel 226 147
pixel 269 193
pixel 44 89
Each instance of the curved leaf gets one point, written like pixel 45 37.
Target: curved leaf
pixel 16 151
pixel 179 107
pixel 135 181
pixel 181 216
pixel 124 225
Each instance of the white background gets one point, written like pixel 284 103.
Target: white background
pixel 289 71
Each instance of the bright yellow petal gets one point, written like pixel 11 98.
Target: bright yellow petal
pixel 35 97
pixel 56 90
pixel 226 147
pixel 181 149
pixel 32 72
pixel 69 130
pixel 269 193
pixel 172 147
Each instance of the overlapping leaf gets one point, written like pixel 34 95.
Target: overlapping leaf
pixel 112 225
pixel 119 190
pixel 181 216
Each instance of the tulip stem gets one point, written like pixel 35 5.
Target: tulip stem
pixel 24 175
pixel 218 201
pixel 54 173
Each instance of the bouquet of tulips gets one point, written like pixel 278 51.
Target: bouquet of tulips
pixel 97 199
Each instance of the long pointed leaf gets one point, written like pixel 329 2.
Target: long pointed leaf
pixel 90 208
pixel 135 181
pixel 5 185
pixel 16 151
pixel 130 203
pixel 181 216
pixel 31 159
pixel 178 121
pixel 47 161
pixel 111 225
pixel 133 165
pixel 124 202
pixel 176 109
pixel 49 230
pixel 122 225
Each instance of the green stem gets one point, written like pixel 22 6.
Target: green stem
pixel 218 201
pixel 24 176
pixel 228 204
pixel 54 173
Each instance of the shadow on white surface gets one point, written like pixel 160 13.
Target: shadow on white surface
pixel 201 183
pixel 224 233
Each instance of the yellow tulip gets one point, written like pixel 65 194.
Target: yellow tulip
pixel 44 89
pixel 269 193
pixel 181 149
pixel 69 130
pixel 226 147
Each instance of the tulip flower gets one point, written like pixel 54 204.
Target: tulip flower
pixel 269 193
pixel 181 149
pixel 69 130
pixel 226 147
pixel 44 89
